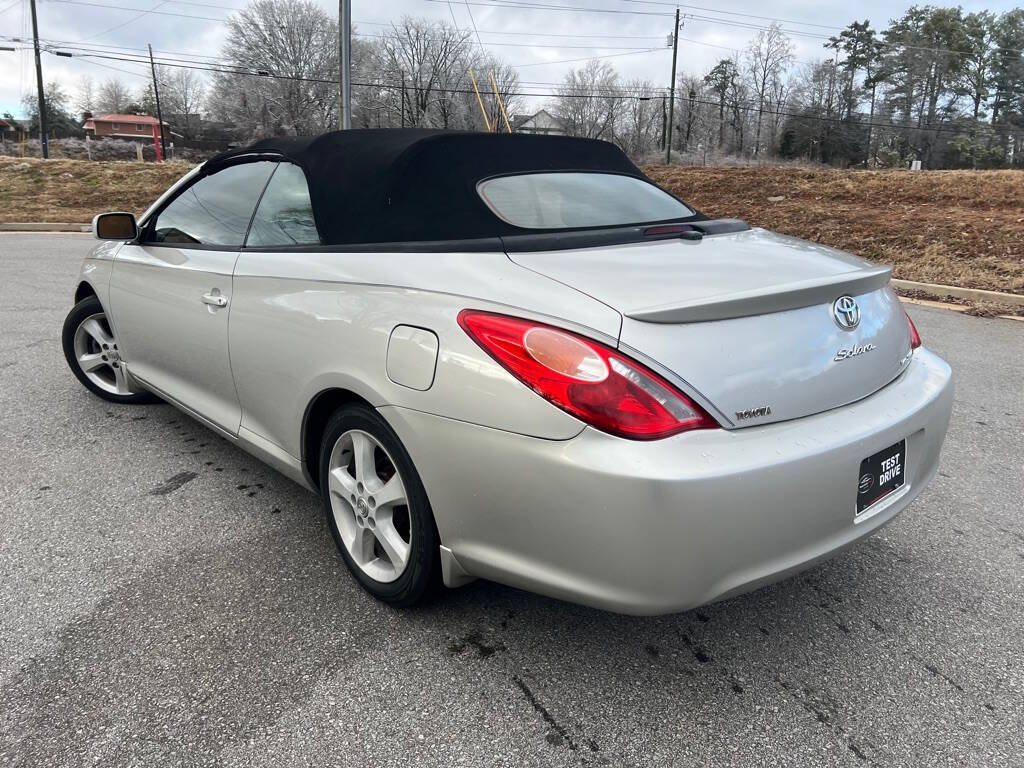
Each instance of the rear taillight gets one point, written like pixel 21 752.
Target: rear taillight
pixel 593 382
pixel 915 337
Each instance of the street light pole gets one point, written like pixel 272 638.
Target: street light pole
pixel 345 64
pixel 44 142
pixel 672 93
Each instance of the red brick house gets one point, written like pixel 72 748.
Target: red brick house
pixel 124 127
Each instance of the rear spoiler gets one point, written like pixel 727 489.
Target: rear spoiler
pixel 772 298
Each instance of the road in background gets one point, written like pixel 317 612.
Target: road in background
pixel 168 600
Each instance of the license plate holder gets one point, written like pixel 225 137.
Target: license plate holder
pixel 881 474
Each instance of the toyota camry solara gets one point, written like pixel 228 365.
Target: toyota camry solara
pixel 515 357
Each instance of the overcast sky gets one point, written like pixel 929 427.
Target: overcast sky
pixel 535 48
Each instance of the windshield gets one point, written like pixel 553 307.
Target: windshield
pixel 568 200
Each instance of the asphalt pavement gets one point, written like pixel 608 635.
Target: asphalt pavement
pixel 167 600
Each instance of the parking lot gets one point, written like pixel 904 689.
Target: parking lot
pixel 168 600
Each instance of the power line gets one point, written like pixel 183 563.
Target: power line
pixel 123 8
pixel 123 24
pixel 471 19
pixel 101 49
pixel 121 47
pixel 585 58
pixel 622 96
pixel 538 34
pixel 89 49
pixel 115 69
pixel 732 13
pixel 537 6
pixel 526 5
pixel 525 45
pixel 523 4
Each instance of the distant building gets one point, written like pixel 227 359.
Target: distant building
pixel 11 128
pixel 539 122
pixel 124 127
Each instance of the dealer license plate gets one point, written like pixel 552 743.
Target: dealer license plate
pixel 881 474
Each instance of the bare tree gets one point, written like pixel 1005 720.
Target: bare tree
pixel 639 118
pixel 85 95
pixel 296 42
pixel 182 91
pixel 693 111
pixel 588 100
pixel 767 57
pixel 430 60
pixel 113 97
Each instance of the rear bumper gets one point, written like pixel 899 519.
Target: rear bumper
pixel 663 526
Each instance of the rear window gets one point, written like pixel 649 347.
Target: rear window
pixel 568 200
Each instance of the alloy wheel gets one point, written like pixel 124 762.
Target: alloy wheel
pixel 370 505
pixel 98 356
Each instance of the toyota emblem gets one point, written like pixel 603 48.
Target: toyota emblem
pixel 846 313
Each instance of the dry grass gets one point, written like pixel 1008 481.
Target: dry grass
pixel 75 190
pixel 953 227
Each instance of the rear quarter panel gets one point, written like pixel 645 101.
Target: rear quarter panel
pixel 302 323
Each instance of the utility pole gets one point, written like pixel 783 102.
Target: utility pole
pixel 156 94
pixel 664 121
pixel 44 141
pixel 345 64
pixel 672 93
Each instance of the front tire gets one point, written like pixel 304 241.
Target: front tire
pixel 94 356
pixel 377 508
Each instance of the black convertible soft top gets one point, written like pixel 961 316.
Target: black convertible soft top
pixel 414 185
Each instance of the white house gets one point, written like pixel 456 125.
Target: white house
pixel 539 122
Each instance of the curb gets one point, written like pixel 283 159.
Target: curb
pixel 20 226
pixel 974 294
pixel 934 304
pixel 951 307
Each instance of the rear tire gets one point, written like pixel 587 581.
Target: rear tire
pixel 377 508
pixel 94 356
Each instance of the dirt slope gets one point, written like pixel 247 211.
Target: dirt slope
pixel 76 190
pixel 954 227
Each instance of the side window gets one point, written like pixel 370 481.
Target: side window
pixel 285 215
pixel 215 210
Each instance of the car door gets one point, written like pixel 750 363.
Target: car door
pixel 269 355
pixel 170 292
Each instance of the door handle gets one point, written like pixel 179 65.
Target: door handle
pixel 215 299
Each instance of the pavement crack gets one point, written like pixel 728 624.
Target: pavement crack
pixel 557 735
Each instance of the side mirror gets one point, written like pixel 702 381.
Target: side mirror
pixel 114 226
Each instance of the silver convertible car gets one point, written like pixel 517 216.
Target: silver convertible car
pixel 514 357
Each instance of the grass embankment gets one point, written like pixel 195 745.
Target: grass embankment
pixel 961 228
pixel 76 190
pixel 954 227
